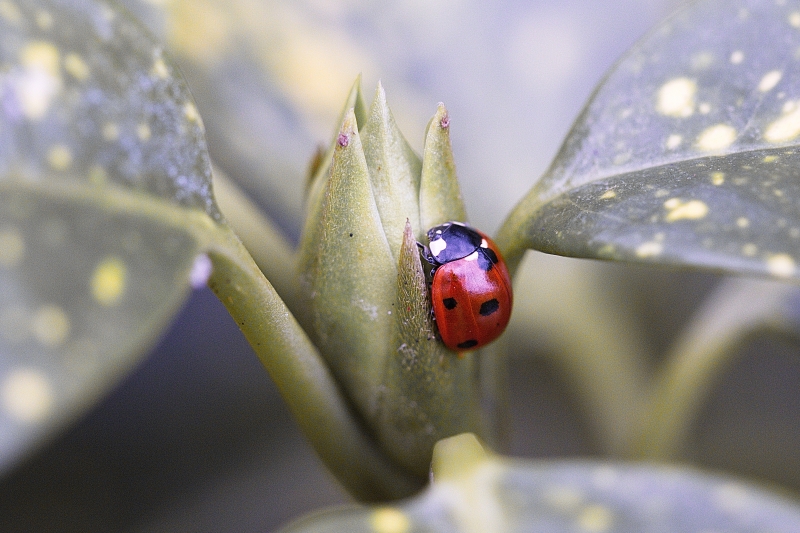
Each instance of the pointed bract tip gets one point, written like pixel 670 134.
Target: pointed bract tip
pixel 380 95
pixel 347 130
pixel 443 116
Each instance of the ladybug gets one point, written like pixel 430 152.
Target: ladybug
pixel 470 286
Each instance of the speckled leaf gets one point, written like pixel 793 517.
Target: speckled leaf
pixel 476 494
pixel 687 152
pixel 103 171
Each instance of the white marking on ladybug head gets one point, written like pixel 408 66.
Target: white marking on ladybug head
pixel 437 246
pixel 472 257
pixel 484 244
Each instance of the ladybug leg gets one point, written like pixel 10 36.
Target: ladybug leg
pixel 431 263
pixel 426 254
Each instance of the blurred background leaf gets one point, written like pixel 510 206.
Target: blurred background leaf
pixel 473 492
pixel 103 175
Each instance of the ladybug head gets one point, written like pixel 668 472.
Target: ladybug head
pixel 452 241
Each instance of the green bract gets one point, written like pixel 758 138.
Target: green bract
pixel 363 296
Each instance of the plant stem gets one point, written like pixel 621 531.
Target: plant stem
pixel 271 251
pixel 739 309
pixel 302 377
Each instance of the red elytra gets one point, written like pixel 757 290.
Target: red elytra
pixel 471 289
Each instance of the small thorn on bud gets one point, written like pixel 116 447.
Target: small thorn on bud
pixel 343 140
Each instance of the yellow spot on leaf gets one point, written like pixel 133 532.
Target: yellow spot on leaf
pixel 50 326
pixel 702 60
pixel 564 499
pixel 704 108
pixel 10 12
pixel 76 66
pixel 26 395
pixel 390 520
pixel 190 112
pixel 143 132
pixel 12 247
pixel 40 80
pixel 44 19
pixel 160 69
pixel 743 222
pixel 673 141
pixel 621 159
pixel 607 250
pixel 786 127
pixel 770 80
pixel 676 97
pixel 689 210
pixel 41 54
pixel 715 138
pixel 649 249
pixel 596 519
pixel 781 265
pixel 608 195
pixel 737 57
pixel 794 19
pixel 770 159
pixel 109 281
pixel 110 131
pixel 717 178
pixel 59 157
pixel 749 249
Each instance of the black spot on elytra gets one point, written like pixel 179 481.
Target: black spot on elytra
pixel 489 306
pixel 449 303
pixel 467 344
pixel 487 259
